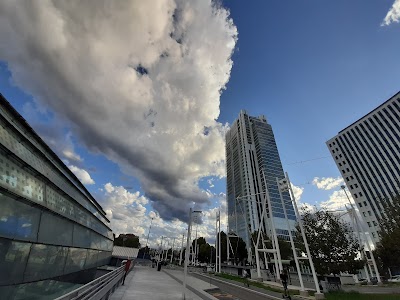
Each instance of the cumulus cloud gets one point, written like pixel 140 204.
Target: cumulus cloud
pixel 393 14
pixel 297 191
pixel 128 214
pixel 138 81
pixel 337 200
pixel 327 183
pixel 82 175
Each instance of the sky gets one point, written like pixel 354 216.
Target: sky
pixel 136 96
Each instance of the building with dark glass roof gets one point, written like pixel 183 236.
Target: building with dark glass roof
pixel 51 228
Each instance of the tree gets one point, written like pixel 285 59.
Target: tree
pixel 238 246
pixel 333 247
pixel 127 240
pixel 388 249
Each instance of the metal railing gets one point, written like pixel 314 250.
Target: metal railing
pixel 98 289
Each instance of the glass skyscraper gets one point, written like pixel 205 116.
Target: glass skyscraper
pixel 51 228
pixel 251 156
pixel 367 154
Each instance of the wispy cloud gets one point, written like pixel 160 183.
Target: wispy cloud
pixel 327 183
pixel 393 14
pixel 137 80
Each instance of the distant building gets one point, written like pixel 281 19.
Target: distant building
pixel 50 225
pixel 367 154
pixel 251 151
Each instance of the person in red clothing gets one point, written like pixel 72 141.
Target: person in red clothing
pixel 127 266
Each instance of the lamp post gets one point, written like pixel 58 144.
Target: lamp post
pixel 187 252
pixel 147 240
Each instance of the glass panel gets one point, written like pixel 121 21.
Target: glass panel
pixel 82 236
pixel 76 260
pixel 55 230
pixel 13 257
pixel 59 203
pixel 19 181
pixel 91 261
pixel 45 262
pixel 18 220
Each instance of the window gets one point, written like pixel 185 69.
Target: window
pixel 364 214
pixel 360 194
pixel 351 177
pixel 373 234
pixel 360 204
pixel 344 162
pixel 365 203
pixel 333 151
pixel 369 224
pixel 340 155
pixel 347 178
pixel 340 164
pixel 330 145
pixel 343 171
pixel 351 186
pixel 355 196
pixel 356 185
pixel 347 169
pixel 369 212
pixel 336 157
pixel 375 224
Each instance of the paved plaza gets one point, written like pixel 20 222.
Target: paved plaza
pixel 149 284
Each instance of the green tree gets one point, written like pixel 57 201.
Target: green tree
pixel 388 250
pixel 333 247
pixel 127 240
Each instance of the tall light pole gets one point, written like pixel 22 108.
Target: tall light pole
pixel 180 256
pixel 148 235
pixel 187 252
pixel 378 277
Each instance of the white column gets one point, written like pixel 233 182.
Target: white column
pixel 291 238
pixel 304 237
pixel 186 255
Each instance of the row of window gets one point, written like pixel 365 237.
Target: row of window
pixel 26 262
pixel 21 181
pixel 21 221
pixel 25 152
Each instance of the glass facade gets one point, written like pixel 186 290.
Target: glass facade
pixel 50 225
pixel 251 154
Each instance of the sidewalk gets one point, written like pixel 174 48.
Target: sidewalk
pixel 196 285
pixel 149 284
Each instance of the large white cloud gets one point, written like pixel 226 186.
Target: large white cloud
pixel 327 183
pixel 82 175
pixel 139 81
pixel 393 14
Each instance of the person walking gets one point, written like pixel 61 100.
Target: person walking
pixel 245 275
pixel 127 266
pixel 284 280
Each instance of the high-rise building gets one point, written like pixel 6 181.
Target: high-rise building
pixel 252 164
pixel 367 154
pixel 53 233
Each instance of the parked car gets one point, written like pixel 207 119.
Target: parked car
pixel 374 280
pixel 394 279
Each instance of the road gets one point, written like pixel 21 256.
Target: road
pixel 236 291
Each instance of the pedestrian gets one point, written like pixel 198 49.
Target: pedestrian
pixel 127 266
pixel 245 275
pixel 284 280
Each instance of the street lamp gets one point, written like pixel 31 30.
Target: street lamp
pixel 147 240
pixel 187 250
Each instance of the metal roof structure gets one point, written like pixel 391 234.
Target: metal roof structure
pixel 125 252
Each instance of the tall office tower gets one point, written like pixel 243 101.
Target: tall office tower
pixel 53 233
pixel 251 156
pixel 367 154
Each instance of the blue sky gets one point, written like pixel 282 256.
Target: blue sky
pixel 136 139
